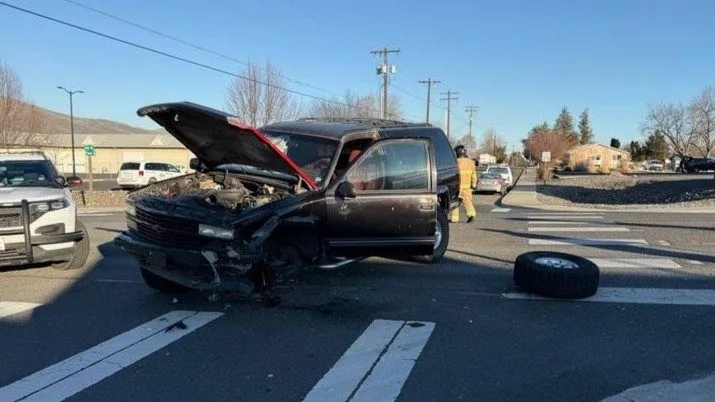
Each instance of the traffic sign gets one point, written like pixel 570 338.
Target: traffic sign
pixel 546 156
pixel 89 150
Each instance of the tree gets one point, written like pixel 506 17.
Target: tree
pixel 20 120
pixel 258 98
pixel 702 116
pixel 637 151
pixel 673 122
pixel 615 143
pixel 494 144
pixel 564 125
pixel 584 129
pixel 352 105
pixel 470 144
pixel 656 146
pixel 547 141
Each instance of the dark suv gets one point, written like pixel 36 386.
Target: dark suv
pixel 696 165
pixel 265 203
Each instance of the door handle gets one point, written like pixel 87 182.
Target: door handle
pixel 427 207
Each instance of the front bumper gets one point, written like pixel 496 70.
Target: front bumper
pixel 495 188
pixel 188 267
pixel 29 252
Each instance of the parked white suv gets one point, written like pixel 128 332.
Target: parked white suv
pixel 38 219
pixel 138 174
pixel 504 171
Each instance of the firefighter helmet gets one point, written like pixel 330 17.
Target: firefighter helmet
pixel 461 151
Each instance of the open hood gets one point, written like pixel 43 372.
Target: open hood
pixel 217 138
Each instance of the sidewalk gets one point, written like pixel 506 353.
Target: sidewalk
pixel 523 195
pixel 97 210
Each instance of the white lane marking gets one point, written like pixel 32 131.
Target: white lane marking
pixel 635 263
pixel 389 375
pixel 94 214
pixel 663 243
pixel 701 389
pixel 564 213
pixel 9 308
pixel 684 297
pixel 86 368
pixel 560 217
pixel 581 229
pixel 558 223
pixel 501 210
pixel 380 360
pixel 586 242
pixel 695 262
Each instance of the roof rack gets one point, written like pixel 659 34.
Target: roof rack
pixel 376 122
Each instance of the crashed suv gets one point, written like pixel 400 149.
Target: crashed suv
pixel 262 204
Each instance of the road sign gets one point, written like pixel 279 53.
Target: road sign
pixel 89 150
pixel 546 156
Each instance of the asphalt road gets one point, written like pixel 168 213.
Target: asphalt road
pixel 483 346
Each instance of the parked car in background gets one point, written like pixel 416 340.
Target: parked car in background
pixel 697 165
pixel 653 165
pixel 138 174
pixel 504 171
pixel 491 183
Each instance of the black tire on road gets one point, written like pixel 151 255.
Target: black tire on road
pixel 440 248
pixel 557 275
pixel 160 284
pixel 79 254
pixel 152 180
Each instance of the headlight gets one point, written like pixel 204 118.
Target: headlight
pixel 217 232
pixel 53 205
pixel 130 209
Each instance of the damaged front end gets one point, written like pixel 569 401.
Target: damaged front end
pixel 221 230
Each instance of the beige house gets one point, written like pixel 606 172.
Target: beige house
pixel 592 157
pixel 111 150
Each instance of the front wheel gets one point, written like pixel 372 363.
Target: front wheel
pixel 441 239
pixel 79 254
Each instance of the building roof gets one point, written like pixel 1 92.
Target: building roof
pixel 165 141
pixel 597 145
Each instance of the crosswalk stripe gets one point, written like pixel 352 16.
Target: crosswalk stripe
pixel 501 210
pixel 635 263
pixel 580 229
pixel 563 213
pixel 8 308
pixel 585 242
pixel 564 217
pixel 558 223
pixel 685 297
pixel 376 365
pixel 86 368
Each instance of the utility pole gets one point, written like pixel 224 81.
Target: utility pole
pixel 70 93
pixel 429 83
pixel 385 69
pixel 471 109
pixel 449 98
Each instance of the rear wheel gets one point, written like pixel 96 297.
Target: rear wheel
pixel 79 254
pixel 152 180
pixel 160 284
pixel 441 239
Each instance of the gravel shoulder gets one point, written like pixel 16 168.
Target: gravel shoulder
pixel 616 191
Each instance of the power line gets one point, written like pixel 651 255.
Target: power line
pixel 449 98
pixel 429 83
pixel 187 43
pixel 179 58
pixel 471 109
pixel 385 69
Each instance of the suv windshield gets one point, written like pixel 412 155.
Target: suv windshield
pixel 312 154
pixel 27 174
pixel 498 170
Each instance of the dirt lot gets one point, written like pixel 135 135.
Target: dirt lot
pixel 631 191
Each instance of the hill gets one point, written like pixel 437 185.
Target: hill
pixel 59 123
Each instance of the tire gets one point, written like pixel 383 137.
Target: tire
pixel 531 274
pixel 79 254
pixel 160 284
pixel 152 180
pixel 440 248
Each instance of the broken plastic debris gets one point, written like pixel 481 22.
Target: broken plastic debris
pixel 270 375
pixel 175 300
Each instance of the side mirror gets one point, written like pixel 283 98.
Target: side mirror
pixel 196 164
pixel 75 181
pixel 61 180
pixel 345 190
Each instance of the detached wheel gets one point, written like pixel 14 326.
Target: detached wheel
pixel 79 254
pixel 160 284
pixel 557 275
pixel 441 239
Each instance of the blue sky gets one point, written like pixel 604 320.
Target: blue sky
pixel 519 61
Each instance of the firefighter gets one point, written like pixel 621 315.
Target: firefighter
pixel 467 183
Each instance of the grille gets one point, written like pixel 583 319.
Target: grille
pixel 10 217
pixel 168 230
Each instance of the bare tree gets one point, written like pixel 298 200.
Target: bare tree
pixel 258 99
pixel 20 121
pixel 556 142
pixel 702 117
pixel 352 105
pixel 675 123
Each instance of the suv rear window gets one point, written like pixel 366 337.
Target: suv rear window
pixel 129 166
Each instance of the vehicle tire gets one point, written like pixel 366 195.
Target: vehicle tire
pixel 79 254
pixel 152 180
pixel 160 284
pixel 557 275
pixel 440 246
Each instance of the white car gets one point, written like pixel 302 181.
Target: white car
pixel 138 174
pixel 38 218
pixel 502 170
pixel 653 165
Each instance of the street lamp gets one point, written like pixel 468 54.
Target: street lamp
pixel 70 93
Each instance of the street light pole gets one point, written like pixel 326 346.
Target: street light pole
pixel 71 93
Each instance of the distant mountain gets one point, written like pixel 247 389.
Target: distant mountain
pixel 59 123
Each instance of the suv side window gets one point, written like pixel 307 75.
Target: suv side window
pixel 171 168
pixel 153 166
pixel 400 165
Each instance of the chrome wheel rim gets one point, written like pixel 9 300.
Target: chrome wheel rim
pixel 556 263
pixel 437 235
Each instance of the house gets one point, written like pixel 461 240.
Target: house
pixel 595 157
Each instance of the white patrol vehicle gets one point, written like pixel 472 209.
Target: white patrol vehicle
pixel 38 219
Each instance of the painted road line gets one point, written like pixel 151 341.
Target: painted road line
pixel 86 368
pixel 561 217
pixel 681 297
pixel 662 243
pixel 695 262
pixel 8 308
pixel 93 214
pixel 389 375
pixel 381 347
pixel 586 242
pixel 635 263
pixel 701 389
pixel 564 213
pixel 558 223
pixel 581 229
pixel 501 210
